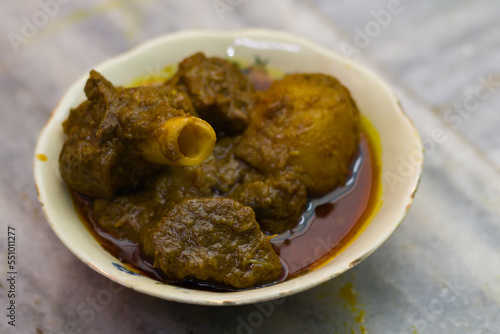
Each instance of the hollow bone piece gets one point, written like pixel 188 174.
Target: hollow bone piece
pixel 182 141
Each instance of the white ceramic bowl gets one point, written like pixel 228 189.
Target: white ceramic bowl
pixel 401 155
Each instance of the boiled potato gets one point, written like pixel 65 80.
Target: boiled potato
pixel 307 121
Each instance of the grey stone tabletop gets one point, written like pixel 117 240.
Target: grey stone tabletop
pixel 440 271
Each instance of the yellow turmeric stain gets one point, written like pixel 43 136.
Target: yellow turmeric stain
pixel 154 76
pixel 41 157
pixel 275 73
pixel 360 317
pixel 347 293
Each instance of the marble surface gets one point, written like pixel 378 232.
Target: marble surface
pixel 440 271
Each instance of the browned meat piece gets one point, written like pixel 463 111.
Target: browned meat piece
pixel 124 215
pixel 278 200
pixel 120 136
pixel 178 99
pixel 219 92
pixel 212 239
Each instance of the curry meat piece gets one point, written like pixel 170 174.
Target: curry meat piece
pixel 306 121
pixel 212 239
pixel 107 133
pixel 278 200
pixel 219 91
pixel 178 99
pixel 125 215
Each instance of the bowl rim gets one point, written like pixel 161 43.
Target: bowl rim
pixel 298 284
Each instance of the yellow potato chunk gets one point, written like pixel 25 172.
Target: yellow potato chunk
pixel 306 121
